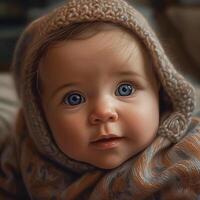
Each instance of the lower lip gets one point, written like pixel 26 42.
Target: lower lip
pixel 108 144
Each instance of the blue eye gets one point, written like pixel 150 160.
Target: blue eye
pixel 125 89
pixel 74 99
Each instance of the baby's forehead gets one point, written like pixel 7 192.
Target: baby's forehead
pixel 124 42
pixel 105 43
pixel 113 50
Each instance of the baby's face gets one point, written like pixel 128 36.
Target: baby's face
pixel 100 98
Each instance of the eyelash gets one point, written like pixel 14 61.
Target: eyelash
pixel 134 86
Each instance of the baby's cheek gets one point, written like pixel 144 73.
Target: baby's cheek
pixel 141 124
pixel 69 134
pixel 68 124
pixel 59 125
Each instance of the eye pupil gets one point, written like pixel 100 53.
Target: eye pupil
pixel 74 99
pixel 125 90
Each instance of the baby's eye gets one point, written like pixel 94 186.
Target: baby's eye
pixel 125 89
pixel 74 99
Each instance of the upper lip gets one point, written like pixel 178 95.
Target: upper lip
pixel 107 136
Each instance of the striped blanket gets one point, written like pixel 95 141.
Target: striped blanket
pixel 8 103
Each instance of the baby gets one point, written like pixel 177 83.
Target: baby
pixel 104 115
pixel 96 105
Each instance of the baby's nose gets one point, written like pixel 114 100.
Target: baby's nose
pixel 102 114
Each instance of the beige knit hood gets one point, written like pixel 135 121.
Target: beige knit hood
pixel 181 94
pixel 119 12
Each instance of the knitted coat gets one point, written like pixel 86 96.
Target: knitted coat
pixel 33 167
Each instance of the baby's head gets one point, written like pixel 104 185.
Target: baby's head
pixel 96 86
pixel 99 93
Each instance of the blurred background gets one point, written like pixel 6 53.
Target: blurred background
pixel 176 22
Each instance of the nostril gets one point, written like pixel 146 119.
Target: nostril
pixel 97 120
pixel 114 116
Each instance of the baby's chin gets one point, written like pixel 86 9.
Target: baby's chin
pixel 107 166
pixel 112 163
pixel 107 159
pixel 109 163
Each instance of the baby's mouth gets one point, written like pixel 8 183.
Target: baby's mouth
pixel 105 137
pixel 104 142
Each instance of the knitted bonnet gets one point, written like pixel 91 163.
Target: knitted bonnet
pixel 25 64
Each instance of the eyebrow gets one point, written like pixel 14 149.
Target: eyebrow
pixel 126 73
